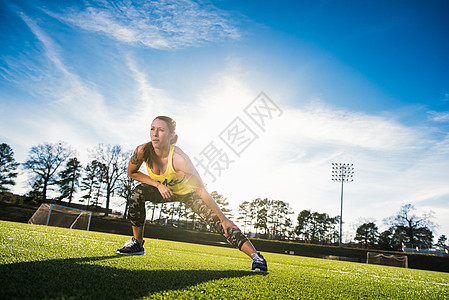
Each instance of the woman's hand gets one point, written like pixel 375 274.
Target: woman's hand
pixel 226 223
pixel 166 192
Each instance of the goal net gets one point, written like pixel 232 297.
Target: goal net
pixel 61 216
pixel 387 259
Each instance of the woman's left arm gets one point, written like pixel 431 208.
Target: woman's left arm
pixel 181 162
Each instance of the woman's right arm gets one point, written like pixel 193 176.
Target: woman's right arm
pixel 134 165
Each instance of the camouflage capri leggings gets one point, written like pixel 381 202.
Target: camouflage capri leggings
pixel 144 192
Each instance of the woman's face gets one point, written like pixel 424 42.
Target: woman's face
pixel 160 134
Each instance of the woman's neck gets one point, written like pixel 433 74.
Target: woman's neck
pixel 162 152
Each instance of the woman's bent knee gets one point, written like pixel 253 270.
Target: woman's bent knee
pixel 136 204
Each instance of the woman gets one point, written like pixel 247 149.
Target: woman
pixel 172 177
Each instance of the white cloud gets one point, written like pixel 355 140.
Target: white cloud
pixel 327 125
pixel 155 24
pixel 72 94
pixel 63 107
pixel 439 116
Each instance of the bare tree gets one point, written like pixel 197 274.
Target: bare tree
pixel 126 185
pixel 43 162
pixel 114 161
pixel 415 229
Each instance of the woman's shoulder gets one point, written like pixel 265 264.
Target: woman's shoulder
pixel 180 159
pixel 179 154
pixel 142 147
pixel 140 150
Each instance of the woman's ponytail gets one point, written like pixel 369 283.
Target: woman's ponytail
pixel 174 140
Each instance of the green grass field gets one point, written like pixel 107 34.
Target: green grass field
pixel 39 262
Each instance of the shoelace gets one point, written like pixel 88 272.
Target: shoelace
pixel 130 243
pixel 258 260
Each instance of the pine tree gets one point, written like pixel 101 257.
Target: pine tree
pixel 222 202
pixel 245 215
pixel 69 179
pixel 93 178
pixel 367 235
pixel 7 167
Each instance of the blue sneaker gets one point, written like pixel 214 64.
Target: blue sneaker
pixel 259 264
pixel 132 247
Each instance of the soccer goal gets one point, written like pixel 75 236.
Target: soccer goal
pixel 61 216
pixel 386 259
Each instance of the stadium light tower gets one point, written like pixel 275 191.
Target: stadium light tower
pixel 342 172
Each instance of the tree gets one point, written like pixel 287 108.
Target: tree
pixel 319 227
pixel 92 181
pixel 286 229
pixel 8 165
pixel 424 237
pixel 302 230
pixel 261 208
pixel 171 212
pixel 43 162
pixel 442 242
pixel 245 214
pixel 35 195
pixel 269 215
pixel 69 179
pixel 367 235
pixel 386 240
pixel 222 202
pixel 316 227
pixel 114 161
pixel 278 212
pixel 163 211
pixel 412 228
pixel 125 187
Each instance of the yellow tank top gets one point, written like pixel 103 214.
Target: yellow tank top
pixel 178 182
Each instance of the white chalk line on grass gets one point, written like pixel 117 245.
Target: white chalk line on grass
pixel 373 275
pixel 413 280
pixel 391 278
pixel 62 235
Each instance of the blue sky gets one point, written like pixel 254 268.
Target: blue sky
pixel 360 82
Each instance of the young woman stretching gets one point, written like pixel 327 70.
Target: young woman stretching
pixel 172 177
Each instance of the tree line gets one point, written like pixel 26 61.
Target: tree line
pixel 55 167
pixel 406 230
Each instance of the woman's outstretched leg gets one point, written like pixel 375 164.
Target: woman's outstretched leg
pixel 234 236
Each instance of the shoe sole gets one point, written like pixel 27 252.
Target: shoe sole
pixel 135 253
pixel 259 271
